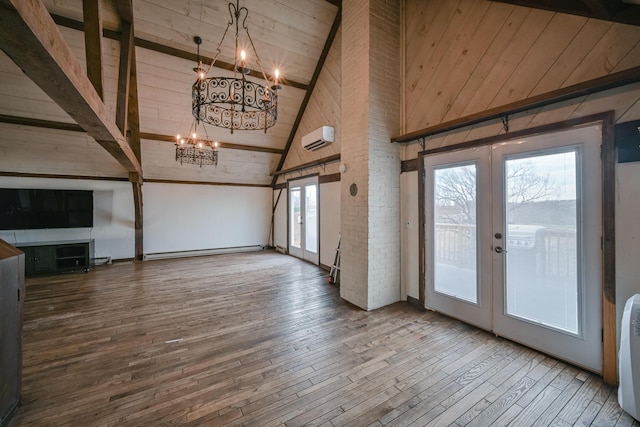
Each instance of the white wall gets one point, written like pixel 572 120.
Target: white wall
pixel 184 217
pixel 113 216
pixel 177 217
pixel 329 221
pixel 280 218
pixel 627 234
pixel 409 234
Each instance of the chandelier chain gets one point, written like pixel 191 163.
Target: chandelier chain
pixel 218 50
pixel 264 75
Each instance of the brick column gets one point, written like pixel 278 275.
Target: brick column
pixel 370 220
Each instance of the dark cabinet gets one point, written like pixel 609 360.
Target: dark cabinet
pixel 11 297
pixel 39 259
pixel 56 257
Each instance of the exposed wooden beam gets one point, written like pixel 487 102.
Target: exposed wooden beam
pixel 47 124
pixel 157 47
pixel 227 145
pixel 334 177
pixel 168 50
pixel 307 96
pixel 92 12
pixel 324 160
pixel 409 165
pixel 125 10
pixel 62 176
pixel 133 117
pixel 138 220
pixel 124 76
pixel 123 179
pixel 610 81
pixel 224 184
pixel 32 40
pixel 609 10
pixel 127 113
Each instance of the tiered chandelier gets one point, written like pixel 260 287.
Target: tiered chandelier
pixel 234 103
pixel 196 150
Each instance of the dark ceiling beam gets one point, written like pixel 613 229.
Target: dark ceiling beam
pixel 133 110
pixel 168 50
pixel 608 10
pixel 227 145
pixel 610 81
pixel 322 161
pixel 32 40
pixel 92 12
pixel 72 127
pixel 127 109
pixel 62 176
pixel 605 8
pixel 124 76
pixel 46 124
pixel 125 10
pixel 307 96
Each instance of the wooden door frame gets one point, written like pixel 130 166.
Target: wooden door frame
pixel 609 321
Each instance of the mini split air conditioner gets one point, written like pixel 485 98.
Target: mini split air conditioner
pixel 318 138
pixel 629 368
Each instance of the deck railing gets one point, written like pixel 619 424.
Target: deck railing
pixel 549 252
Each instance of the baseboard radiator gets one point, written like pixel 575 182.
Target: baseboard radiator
pixel 202 252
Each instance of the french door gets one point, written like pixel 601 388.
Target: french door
pixel 512 236
pixel 303 219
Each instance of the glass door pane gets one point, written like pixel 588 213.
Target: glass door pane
pixel 458 215
pixel 295 218
pixel 542 259
pixel 547 225
pixel 311 218
pixel 455 232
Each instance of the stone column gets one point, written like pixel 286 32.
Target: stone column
pixel 370 219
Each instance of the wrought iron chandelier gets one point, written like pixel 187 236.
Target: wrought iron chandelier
pixel 235 103
pixel 196 150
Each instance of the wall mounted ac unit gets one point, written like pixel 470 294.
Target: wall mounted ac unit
pixel 318 138
pixel 629 369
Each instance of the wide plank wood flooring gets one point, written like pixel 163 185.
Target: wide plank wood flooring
pixel 262 339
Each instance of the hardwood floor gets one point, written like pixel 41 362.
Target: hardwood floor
pixel 262 339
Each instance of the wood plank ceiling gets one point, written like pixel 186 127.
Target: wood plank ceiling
pixel 288 34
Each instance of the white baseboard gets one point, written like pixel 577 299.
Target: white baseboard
pixel 201 252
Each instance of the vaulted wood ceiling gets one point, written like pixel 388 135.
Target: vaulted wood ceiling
pixel 288 34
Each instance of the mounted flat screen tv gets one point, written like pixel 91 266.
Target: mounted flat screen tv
pixel 28 209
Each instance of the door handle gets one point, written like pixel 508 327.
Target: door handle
pixel 499 250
